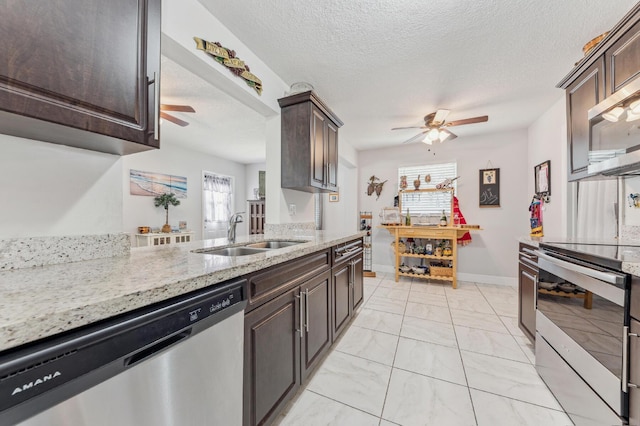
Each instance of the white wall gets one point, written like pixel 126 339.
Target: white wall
pixel 57 190
pixel 489 258
pixel 548 141
pixel 173 160
pixel 342 216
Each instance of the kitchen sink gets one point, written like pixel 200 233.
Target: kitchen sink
pixel 274 244
pixel 231 251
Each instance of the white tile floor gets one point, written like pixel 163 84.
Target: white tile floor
pixel 421 353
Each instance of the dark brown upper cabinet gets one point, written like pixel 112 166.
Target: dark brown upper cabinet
pixel 309 140
pixel 83 73
pixel 623 60
pixel 582 95
pixel 613 63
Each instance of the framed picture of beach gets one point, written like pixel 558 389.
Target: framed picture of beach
pixel 153 184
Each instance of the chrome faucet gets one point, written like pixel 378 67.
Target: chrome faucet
pixel 233 221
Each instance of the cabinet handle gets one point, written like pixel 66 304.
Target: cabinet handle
pixel 299 297
pixel 156 100
pixel 306 309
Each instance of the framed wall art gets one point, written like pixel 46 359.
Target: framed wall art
pixel 489 195
pixel 542 176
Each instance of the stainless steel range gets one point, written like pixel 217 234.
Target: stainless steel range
pixel 582 329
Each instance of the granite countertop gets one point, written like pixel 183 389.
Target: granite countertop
pixel 42 301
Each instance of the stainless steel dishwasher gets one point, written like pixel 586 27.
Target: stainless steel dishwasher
pixel 178 362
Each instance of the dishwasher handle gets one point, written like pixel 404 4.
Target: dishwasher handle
pixel 156 348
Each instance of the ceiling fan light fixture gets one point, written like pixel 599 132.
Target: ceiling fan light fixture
pixel 635 106
pixel 427 140
pixel 632 116
pixel 433 134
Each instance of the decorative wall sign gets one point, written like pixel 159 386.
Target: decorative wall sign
pixel 154 184
pixel 489 187
pixel 375 186
pixel 227 57
pixel 542 176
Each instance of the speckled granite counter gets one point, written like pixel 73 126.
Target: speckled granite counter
pixel 43 301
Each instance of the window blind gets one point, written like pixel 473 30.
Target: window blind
pixel 427 203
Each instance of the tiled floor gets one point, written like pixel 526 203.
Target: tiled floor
pixel 421 353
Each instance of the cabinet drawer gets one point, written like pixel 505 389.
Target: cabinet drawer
pixel 427 233
pixel 346 251
pixel 269 283
pixel 527 256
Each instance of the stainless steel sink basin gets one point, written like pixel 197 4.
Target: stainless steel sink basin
pixel 232 251
pixel 274 244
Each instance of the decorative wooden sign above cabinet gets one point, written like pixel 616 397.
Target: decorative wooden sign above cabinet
pixel 83 73
pixel 309 144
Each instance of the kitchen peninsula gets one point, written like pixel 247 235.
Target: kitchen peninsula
pixel 43 301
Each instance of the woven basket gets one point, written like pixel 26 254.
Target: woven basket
pixel 440 271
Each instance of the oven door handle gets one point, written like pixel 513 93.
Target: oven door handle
pixel 607 277
pixel 625 359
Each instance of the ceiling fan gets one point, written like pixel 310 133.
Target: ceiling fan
pixel 435 127
pixel 176 108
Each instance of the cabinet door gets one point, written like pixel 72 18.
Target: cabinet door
pixel 85 64
pixel 527 291
pixel 358 281
pixel 318 129
pixel 332 156
pixel 271 357
pixel 316 296
pixel 582 94
pixel 341 301
pixel 634 374
pixel 623 60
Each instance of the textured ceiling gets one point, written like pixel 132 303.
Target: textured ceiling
pixel 382 64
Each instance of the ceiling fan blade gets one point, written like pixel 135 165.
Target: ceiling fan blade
pixel 173 119
pixel 481 119
pixel 178 108
pixel 416 138
pixel 440 116
pixel 412 127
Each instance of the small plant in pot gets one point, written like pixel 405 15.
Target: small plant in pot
pixel 165 200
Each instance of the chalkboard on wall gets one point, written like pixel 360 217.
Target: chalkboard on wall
pixel 489 187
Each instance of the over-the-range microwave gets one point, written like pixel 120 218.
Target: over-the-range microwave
pixel 614 134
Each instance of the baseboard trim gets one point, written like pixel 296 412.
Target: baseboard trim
pixel 464 276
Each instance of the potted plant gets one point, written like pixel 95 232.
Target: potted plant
pixel 164 200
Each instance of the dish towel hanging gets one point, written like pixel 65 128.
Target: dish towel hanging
pixel 466 238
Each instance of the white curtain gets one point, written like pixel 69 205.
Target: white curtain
pixel 217 193
pixel 596 215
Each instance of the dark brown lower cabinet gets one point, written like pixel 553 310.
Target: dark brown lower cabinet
pixel 634 373
pixel 284 341
pixel 341 283
pixel 347 285
pixel 290 324
pixel 358 281
pixel 316 301
pixel 272 357
pixel 527 290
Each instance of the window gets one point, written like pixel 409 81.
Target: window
pixel 217 197
pixel 427 203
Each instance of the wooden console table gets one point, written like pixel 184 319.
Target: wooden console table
pixel 451 233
